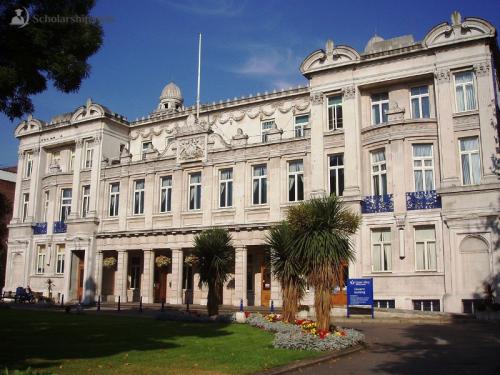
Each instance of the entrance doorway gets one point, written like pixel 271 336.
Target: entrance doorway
pixel 339 293
pixel 265 271
pixel 79 260
pixel 160 292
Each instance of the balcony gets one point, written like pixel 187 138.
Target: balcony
pixel 377 203
pixel 422 200
pixel 40 228
pixel 59 227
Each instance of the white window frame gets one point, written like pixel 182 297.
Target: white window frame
pixel 265 126
pixel 40 259
pixel 65 204
pixel 226 202
pixel 259 179
pixel 55 158
pixel 143 150
pixel 423 168
pixel 197 191
pixel 139 194
pixel 380 172
pixel 167 191
pixel 28 165
pixel 332 109
pixel 382 245
pixel 26 202
pixel 71 159
pixel 85 200
pixel 419 97
pixel 46 201
pixel 335 169
pixel 298 129
pixel 426 248
pixel 464 85
pixel 88 153
pixel 114 197
pixel 469 156
pixel 60 255
pixel 380 104
pixel 295 175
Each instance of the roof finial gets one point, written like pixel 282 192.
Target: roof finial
pixel 456 18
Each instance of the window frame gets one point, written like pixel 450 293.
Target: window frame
pixel 28 164
pixel 419 97
pixel 259 180
pixel 460 153
pixel 380 105
pixel 336 169
pixel 114 196
pixel 41 255
pixel 197 186
pixel 296 178
pixel 298 129
pixel 382 245
pixel 167 190
pixel 85 201
pixel 25 207
pixel 88 154
pixel 60 259
pixel 228 192
pixel 143 150
pixel 65 205
pixel 426 248
pixel 334 122
pixel 379 173
pixel 46 203
pixel 141 197
pixel 264 131
pixel 474 85
pixel 423 167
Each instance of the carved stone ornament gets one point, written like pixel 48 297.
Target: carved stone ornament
pixel 317 97
pixel 191 148
pixel 395 113
pixel 482 68
pixel 349 92
pixel 442 75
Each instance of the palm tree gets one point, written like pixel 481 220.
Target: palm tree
pixel 215 260
pixel 286 268
pixel 324 227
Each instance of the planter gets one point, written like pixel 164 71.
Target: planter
pixel 240 317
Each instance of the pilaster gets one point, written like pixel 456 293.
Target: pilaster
pixel 352 155
pixel 175 297
pixel 148 276
pixel 75 212
pixel 240 275
pixel 121 276
pixel 94 175
pixel 317 182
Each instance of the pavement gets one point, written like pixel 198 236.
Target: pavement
pixel 404 348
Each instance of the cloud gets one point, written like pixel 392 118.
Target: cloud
pixel 222 8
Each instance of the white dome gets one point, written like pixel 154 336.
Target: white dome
pixel 374 39
pixel 171 91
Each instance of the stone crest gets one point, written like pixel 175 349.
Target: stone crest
pixel 191 149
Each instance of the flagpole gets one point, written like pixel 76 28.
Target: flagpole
pixel 199 73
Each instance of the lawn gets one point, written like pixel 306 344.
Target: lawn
pixel 58 343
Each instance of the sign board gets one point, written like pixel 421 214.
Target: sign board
pixel 359 293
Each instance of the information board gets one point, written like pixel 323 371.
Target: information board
pixel 359 293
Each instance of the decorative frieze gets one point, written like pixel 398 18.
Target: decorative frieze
pixel 442 75
pixel 482 68
pixel 191 148
pixel 349 92
pixel 317 98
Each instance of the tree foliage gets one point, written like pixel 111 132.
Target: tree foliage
pixel 44 51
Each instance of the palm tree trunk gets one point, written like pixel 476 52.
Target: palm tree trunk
pixel 290 302
pixel 213 299
pixel 322 305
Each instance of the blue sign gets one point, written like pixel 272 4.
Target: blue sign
pixel 359 293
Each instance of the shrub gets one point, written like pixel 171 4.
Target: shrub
pixel 183 316
pixel 306 341
pixel 259 321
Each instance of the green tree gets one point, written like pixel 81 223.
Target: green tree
pixel 286 268
pixel 215 260
pixel 42 51
pixel 324 227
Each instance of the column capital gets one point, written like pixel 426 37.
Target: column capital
pixel 442 75
pixel 240 248
pixel 483 68
pixel 349 92
pixel 317 97
pixel 176 249
pixel 121 251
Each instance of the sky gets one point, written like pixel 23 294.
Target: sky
pixel 249 46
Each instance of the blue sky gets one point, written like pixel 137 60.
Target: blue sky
pixel 248 47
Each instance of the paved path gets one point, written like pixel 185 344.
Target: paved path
pixel 455 348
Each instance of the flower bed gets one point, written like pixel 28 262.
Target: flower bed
pixel 304 335
pixel 184 316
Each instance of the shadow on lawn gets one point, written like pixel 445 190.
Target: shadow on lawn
pixel 48 338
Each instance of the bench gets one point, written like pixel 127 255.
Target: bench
pixel 9 295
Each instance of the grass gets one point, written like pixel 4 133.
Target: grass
pixel 59 343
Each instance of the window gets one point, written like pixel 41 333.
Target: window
pixel 384 303
pixel 380 106
pixel 56 158
pixel 419 97
pixel 46 195
pixel 464 91
pixel 195 191
pixel 300 123
pixel 259 184
pixel 114 198
pixel 295 181
pixel 146 146
pixel 71 159
pixel 28 166
pixel 66 197
pixel 135 273
pixel 226 187
pixel 138 197
pixel 26 201
pixel 166 194
pixel 265 126
pixel 60 249
pixel 89 154
pixel 85 200
pixel 40 259
pixel 470 305
pixel 379 173
pixel 336 169
pixel 425 248
pixel 469 159
pixel 381 250
pixel 335 117
pixel 423 167
pixel 426 305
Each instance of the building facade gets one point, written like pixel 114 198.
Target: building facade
pixel 405 131
pixel 7 189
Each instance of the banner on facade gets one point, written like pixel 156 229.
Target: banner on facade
pixel 359 293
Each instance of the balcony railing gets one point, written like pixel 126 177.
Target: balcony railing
pixel 59 227
pixel 377 203
pixel 40 228
pixel 422 200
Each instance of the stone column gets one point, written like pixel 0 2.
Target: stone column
pixel 240 275
pixel 352 140
pixel 175 296
pixel 35 176
pixel 125 204
pixel 75 206
pixel 149 199
pixel 208 183
pixel 487 120
pixel 274 183
pixel 239 192
pixel 447 144
pixel 396 179
pixel 178 199
pixel 317 182
pixel 98 274
pixel 94 175
pixel 16 215
pixel 121 276
pixel 276 293
pixel 148 276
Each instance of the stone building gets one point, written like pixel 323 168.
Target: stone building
pixel 405 131
pixel 7 189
